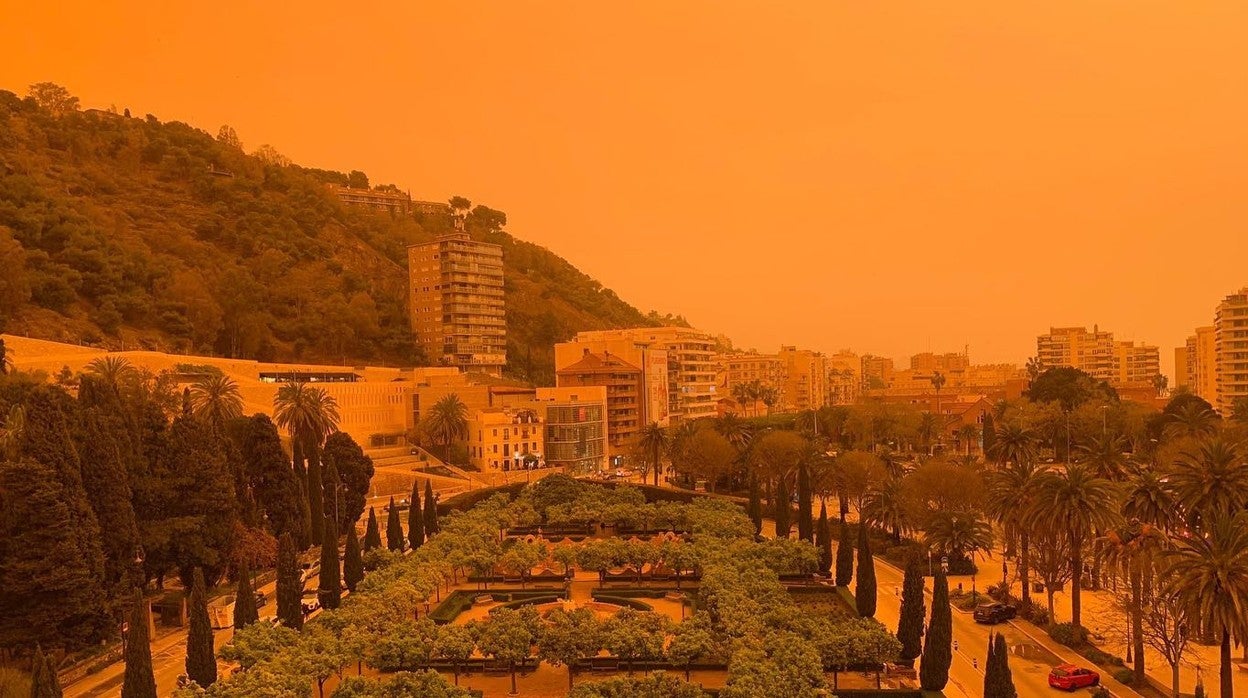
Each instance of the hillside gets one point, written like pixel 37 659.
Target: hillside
pixel 131 232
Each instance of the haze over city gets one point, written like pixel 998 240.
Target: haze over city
pixel 834 175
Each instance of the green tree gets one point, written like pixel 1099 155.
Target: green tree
pixel 654 440
pixel 44 682
pixel 415 519
pixel 938 644
pixel 844 557
pixel 708 455
pixel 1011 489
pixel 138 680
pixel 310 414
pixel 107 484
pixel 394 529
pixel 455 644
pixel 372 534
pixel 507 636
pixel 245 612
pixel 1209 479
pixel 329 591
pixel 823 541
pixel 635 635
pixel 53 98
pixel 446 423
pixel 352 561
pixel 1069 387
pixel 865 587
pixel 431 510
pixel 805 507
pixel 783 510
pixel 355 475
pixel 913 611
pixel 693 639
pixel 201 656
pixel 755 506
pixel 651 686
pixel 568 636
pixel 289 587
pixel 988 431
pixel 268 474
pixel 215 398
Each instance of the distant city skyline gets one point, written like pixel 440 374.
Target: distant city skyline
pixel 829 176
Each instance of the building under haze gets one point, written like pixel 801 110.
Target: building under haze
pixel 1196 365
pixel 1230 323
pixel 393 201
pixel 1122 364
pixel 455 302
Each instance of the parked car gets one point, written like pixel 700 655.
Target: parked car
pixel 995 612
pixel 310 604
pixel 261 600
pixel 1069 677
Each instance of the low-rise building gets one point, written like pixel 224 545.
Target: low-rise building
pixel 395 202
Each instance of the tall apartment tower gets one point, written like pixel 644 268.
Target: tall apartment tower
pixel 1230 323
pixel 456 302
pixel 1092 352
pixel 1195 365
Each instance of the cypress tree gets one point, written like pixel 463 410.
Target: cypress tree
pixel 865 588
pixel 44 682
pixel 784 511
pixel 844 557
pixel 431 510
pixel 823 541
pixel 316 495
pixel 394 530
pixel 910 624
pixel 989 432
pixel 305 517
pixel 289 589
pixel 107 486
pixel 372 534
pixel 755 507
pixel 201 656
pixel 990 669
pixel 1003 679
pixel 138 682
pixel 352 563
pixel 415 519
pixel 330 591
pixel 332 492
pixel 938 645
pixel 805 507
pixel 245 612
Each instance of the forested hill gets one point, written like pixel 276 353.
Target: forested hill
pixel 131 232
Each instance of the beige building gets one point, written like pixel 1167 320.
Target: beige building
pixel 690 362
pixel 1122 364
pixel 625 389
pixel 1195 364
pixel 652 398
pixel 1230 325
pixel 743 369
pixel 805 379
pixel 1137 364
pixel 392 201
pixel 844 378
pixel 877 371
pixel 456 302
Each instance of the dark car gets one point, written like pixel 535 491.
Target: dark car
pixel 1069 677
pixel 995 612
pixel 261 599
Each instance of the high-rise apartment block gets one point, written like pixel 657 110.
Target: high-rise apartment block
pixel 844 378
pixel 625 391
pixel 1195 365
pixel 1099 355
pixel 456 302
pixel 1230 323
pixel 688 356
pixel 805 378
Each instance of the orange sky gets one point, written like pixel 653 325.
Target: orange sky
pixel 890 177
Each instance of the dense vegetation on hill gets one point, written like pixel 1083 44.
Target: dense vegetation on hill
pixel 132 232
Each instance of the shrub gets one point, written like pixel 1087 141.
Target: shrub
pixel 1097 656
pixel 1000 592
pixel 1068 634
pixel 1101 692
pixel 1124 676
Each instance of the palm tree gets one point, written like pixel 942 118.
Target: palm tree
pixel 216 399
pixel 769 396
pixel 114 371
pixel 654 441
pixel 746 394
pixel 1129 550
pixel 1077 502
pixel 958 533
pixel 1014 443
pixel 735 430
pixel 929 430
pixel 1192 420
pixel 12 432
pixel 1010 491
pixel 885 507
pixel 447 422
pixel 1148 499
pixel 1208 573
pixel 1209 478
pixel 938 382
pixel 308 413
pixel 1105 455
pixel 967 434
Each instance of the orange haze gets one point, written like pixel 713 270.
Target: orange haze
pixel 886 176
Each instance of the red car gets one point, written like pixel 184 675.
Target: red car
pixel 1069 677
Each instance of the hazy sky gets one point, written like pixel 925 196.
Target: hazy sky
pixel 890 177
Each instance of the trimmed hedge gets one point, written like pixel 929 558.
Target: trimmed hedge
pixel 528 601
pixel 467 500
pixel 622 601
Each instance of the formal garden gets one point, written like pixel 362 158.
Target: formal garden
pixel 566 587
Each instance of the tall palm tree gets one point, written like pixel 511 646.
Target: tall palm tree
pixel 885 507
pixel 1208 572
pixel 309 413
pixel 1148 499
pixel 654 441
pixel 1104 454
pixel 447 422
pixel 958 533
pixel 1193 420
pixel 1014 443
pixel 967 434
pixel 929 430
pixel 1010 492
pixel 114 371
pixel 12 432
pixel 215 398
pixel 1078 503
pixel 1209 478
pixel 1129 550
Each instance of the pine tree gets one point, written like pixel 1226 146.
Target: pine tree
pixel 330 591
pixel 415 520
pixel 910 624
pixel 938 645
pixel 805 507
pixel 394 530
pixel 138 682
pixel 44 682
pixel 823 541
pixel 316 496
pixel 431 510
pixel 107 485
pixel 245 612
pixel 865 587
pixel 201 656
pixel 289 588
pixel 1003 679
pixel 783 511
pixel 372 534
pixel 352 563
pixel 50 592
pixel 844 557
pixel 755 507
pixel 990 669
